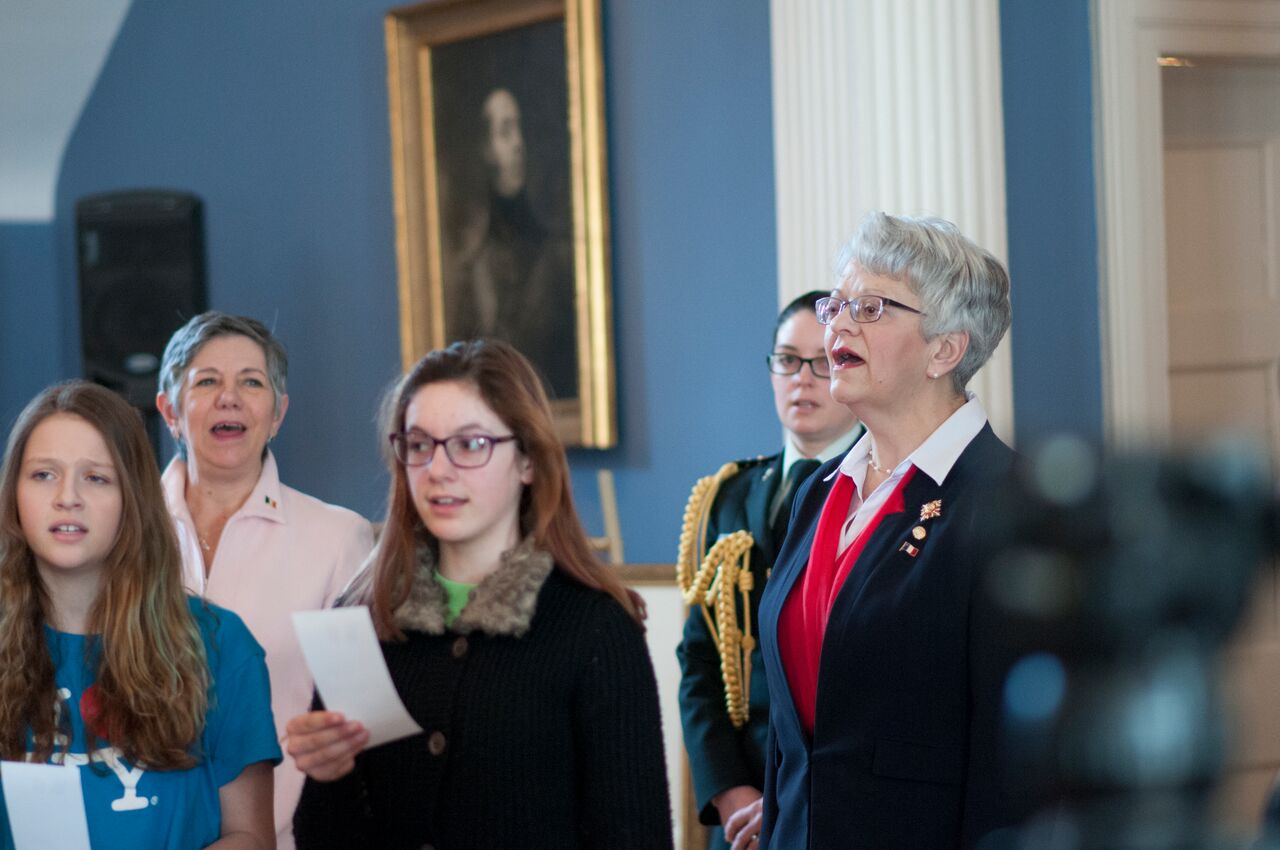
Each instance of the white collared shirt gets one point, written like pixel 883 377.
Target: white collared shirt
pixel 934 457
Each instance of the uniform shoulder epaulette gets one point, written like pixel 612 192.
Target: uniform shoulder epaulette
pixel 705 489
pixel 758 460
pixel 743 465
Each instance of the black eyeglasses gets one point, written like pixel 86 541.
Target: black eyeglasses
pixel 790 364
pixel 465 451
pixel 864 308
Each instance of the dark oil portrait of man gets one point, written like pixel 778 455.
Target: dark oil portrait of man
pixel 501 117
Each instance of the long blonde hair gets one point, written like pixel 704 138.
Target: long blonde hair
pixel 511 388
pixel 152 679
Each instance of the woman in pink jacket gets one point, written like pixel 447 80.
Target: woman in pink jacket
pixel 248 542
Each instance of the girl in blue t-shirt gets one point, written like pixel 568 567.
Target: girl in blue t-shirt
pixel 161 701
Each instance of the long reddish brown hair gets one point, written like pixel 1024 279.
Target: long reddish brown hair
pixel 511 388
pixel 152 679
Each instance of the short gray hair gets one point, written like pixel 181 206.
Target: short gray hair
pixel 187 341
pixel 963 286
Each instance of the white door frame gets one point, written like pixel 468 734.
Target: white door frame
pixel 1129 35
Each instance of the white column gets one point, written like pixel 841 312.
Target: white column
pixel 892 105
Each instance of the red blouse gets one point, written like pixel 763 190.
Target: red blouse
pixel 803 620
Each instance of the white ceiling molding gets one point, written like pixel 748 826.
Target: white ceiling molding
pixel 51 52
pixel 892 105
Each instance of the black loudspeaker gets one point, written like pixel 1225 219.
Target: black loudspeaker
pixel 142 276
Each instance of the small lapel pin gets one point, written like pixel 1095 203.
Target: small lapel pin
pixel 929 510
pixel 919 533
pixel 909 549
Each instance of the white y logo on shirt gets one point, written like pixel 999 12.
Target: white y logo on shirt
pixel 109 756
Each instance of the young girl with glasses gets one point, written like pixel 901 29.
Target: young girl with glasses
pixel 160 700
pixel 520 655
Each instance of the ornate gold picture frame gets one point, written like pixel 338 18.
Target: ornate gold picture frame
pixel 499 173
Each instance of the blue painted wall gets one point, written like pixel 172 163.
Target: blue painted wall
pixel 30 317
pixel 695 256
pixel 1053 242
pixel 276 115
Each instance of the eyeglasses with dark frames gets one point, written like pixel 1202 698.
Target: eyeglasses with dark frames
pixel 864 308
pixel 465 451
pixel 781 363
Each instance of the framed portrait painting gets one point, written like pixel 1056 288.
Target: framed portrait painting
pixel 498 165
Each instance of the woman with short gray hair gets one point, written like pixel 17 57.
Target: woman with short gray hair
pixel 248 542
pixel 883 744
pixel 188 339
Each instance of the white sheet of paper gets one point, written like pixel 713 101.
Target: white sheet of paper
pixel 46 806
pixel 342 651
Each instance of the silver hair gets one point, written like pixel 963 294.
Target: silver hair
pixel 963 287
pixel 187 341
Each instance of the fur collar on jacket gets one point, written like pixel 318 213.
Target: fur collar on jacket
pixel 502 604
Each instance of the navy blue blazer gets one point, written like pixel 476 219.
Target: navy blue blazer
pixel 904 745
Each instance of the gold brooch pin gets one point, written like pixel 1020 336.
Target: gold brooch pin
pixel 919 533
pixel 929 510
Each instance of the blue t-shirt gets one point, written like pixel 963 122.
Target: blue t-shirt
pixel 131 808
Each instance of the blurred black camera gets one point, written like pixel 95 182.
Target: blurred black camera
pixel 1116 581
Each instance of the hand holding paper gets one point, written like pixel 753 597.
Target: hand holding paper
pixel 351 675
pixel 46 806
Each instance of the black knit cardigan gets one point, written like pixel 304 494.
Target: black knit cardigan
pixel 540 712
